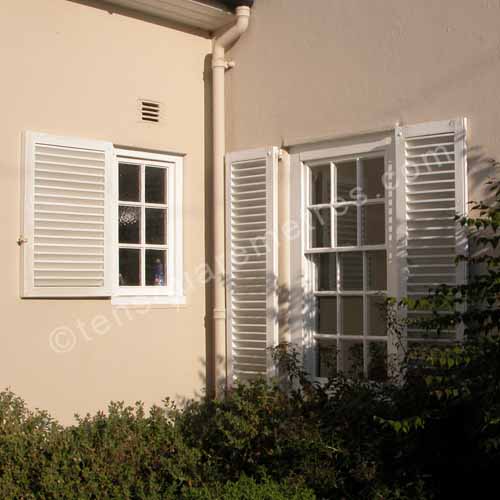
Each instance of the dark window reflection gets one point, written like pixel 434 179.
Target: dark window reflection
pixel 155 268
pixel 129 220
pixel 156 185
pixel 130 265
pixel 129 182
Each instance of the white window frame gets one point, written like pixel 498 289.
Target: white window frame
pixel 173 292
pixel 303 325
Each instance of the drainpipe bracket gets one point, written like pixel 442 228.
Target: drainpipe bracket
pixel 219 314
pixel 222 63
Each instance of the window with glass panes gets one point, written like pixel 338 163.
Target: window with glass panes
pixel 347 261
pixel 143 229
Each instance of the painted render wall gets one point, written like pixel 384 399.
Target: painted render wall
pixel 76 70
pixel 341 67
pixel 307 70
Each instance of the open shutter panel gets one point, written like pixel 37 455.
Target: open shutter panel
pixel 251 262
pixel 432 168
pixel 66 217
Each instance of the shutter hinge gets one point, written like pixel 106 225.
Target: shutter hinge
pixel 279 153
pixel 21 240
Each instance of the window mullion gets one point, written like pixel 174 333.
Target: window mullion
pixel 143 225
pixel 313 327
pixel 308 214
pixel 337 305
pixel 169 271
pixel 333 220
pixel 359 181
pixel 333 178
pixel 365 315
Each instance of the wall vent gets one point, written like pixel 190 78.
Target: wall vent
pixel 150 111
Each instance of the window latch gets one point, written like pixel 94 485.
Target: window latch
pixel 21 240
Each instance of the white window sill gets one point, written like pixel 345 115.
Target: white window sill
pixel 148 300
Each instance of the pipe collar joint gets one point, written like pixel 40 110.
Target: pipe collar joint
pixel 222 63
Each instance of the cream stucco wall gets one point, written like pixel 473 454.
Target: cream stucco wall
pixel 308 70
pixel 76 70
pixel 315 68
pixel 304 69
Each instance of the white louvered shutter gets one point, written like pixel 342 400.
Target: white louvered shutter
pixel 67 217
pixel 433 188
pixel 252 306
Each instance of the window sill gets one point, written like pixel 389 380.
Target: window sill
pixel 148 300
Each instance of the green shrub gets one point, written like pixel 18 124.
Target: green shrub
pixel 434 434
pixel 248 489
pixel 448 411
pixel 124 454
pixel 259 429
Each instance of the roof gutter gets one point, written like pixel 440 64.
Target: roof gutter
pixel 237 3
pixel 219 67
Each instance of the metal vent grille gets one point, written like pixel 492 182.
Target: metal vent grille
pixel 150 111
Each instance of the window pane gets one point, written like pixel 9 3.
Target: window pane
pixel 326 272
pixel 327 359
pixel 155 268
pixel 321 228
pixel 373 175
pixel 376 268
pixel 320 185
pixel 130 224
pixel 352 357
pixel 373 224
pixel 155 226
pixel 130 267
pixel 351 271
pixel 377 361
pixel 156 185
pixel 129 182
pixel 346 181
pixel 352 315
pixel 347 226
pixel 377 314
pixel 327 315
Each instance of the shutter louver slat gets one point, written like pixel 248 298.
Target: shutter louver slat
pixel 66 276
pixel 66 217
pixel 418 282
pixel 250 263
pixel 434 193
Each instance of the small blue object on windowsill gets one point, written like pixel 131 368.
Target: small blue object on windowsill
pixel 159 274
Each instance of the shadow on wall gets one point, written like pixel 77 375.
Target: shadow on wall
pixel 206 372
pixel 203 369
pixel 209 372
pixel 481 167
